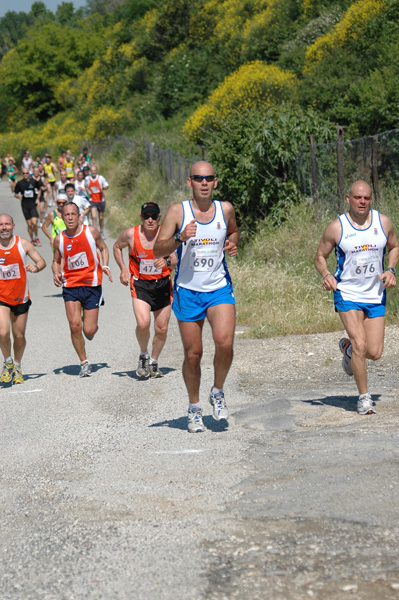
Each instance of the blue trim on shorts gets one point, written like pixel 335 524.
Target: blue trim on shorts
pixel 189 305
pixel 89 297
pixel 371 310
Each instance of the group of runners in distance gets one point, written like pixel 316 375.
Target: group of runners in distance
pixel 44 188
pixel 194 239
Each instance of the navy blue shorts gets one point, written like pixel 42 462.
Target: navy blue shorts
pixel 89 297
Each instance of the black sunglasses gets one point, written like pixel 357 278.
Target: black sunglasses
pixel 150 216
pixel 200 178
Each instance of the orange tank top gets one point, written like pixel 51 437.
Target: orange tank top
pixel 82 265
pixel 13 281
pixel 141 261
pixel 95 189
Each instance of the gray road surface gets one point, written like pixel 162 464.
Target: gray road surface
pixel 105 495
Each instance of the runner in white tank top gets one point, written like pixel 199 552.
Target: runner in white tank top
pixel 360 238
pixel 201 263
pixel 201 230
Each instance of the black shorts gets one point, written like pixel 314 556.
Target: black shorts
pixel 156 292
pixel 100 206
pixel 30 211
pixel 18 309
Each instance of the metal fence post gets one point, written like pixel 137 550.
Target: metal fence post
pixel 340 165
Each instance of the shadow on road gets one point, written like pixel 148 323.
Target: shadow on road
pixel 181 423
pixel 132 374
pixel 75 369
pixel 348 403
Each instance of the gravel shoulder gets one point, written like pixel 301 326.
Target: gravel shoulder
pixel 105 495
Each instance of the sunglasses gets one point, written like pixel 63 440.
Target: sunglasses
pixel 147 216
pixel 61 203
pixel 200 178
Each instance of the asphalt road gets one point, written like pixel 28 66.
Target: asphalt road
pixel 104 494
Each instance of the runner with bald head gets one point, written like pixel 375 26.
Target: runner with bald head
pixel 14 295
pixel 200 231
pixel 360 238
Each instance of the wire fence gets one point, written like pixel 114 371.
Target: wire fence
pixel 324 172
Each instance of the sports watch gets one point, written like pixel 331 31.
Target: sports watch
pixel 177 238
pixel 168 261
pixel 391 270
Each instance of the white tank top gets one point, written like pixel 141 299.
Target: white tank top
pixel 360 260
pixel 201 264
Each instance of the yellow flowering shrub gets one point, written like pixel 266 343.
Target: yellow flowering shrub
pixel 254 85
pixel 351 26
pixel 108 121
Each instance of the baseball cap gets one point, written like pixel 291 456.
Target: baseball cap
pixel 151 208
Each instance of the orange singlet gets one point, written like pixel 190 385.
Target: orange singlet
pixel 13 281
pixel 141 261
pixel 82 265
pixel 95 189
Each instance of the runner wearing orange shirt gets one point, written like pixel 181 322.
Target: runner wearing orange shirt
pixel 150 285
pixel 14 295
pixel 78 249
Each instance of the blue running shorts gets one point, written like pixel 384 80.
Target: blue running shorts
pixel 189 305
pixel 370 310
pixel 89 297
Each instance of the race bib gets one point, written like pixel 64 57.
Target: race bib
pixel 29 194
pixel 95 190
pixel 364 266
pixel 8 272
pixel 203 259
pixel 147 267
pixel 77 261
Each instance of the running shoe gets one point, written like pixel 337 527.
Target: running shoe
pixel 85 369
pixel 38 242
pixel 7 372
pixel 195 422
pixel 17 375
pixel 143 368
pixel 220 410
pixel 365 405
pixel 344 344
pixel 154 371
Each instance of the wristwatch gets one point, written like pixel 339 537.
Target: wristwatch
pixel 168 261
pixel 177 238
pixel 392 270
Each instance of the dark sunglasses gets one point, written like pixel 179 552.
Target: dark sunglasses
pixel 200 178
pixel 150 216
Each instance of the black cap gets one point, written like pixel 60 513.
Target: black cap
pixel 150 207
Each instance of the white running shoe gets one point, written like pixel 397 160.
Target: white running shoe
pixel 143 368
pixel 154 370
pixel 365 405
pixel 344 344
pixel 195 422
pixel 85 370
pixel 220 410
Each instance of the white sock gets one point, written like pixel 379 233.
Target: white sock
pixel 216 390
pixel 196 406
pixel 153 360
pixel 8 360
